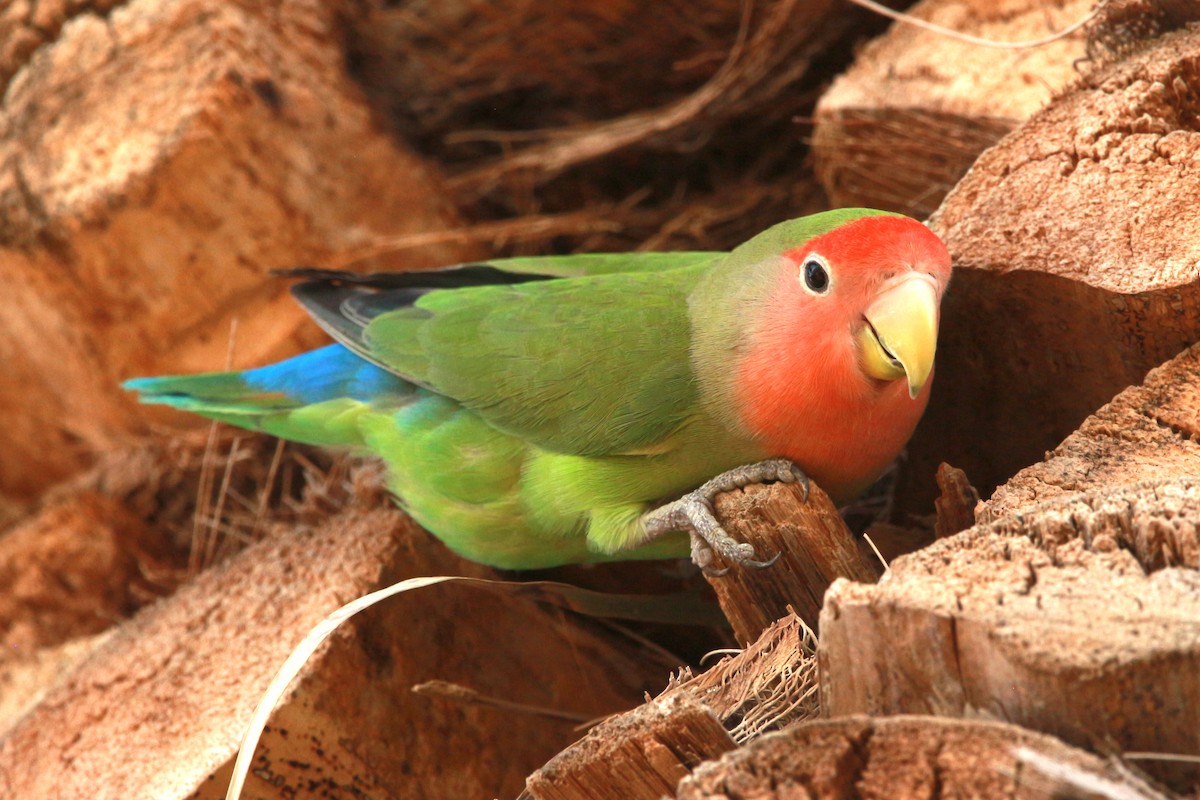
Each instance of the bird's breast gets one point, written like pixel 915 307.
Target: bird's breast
pixel 842 431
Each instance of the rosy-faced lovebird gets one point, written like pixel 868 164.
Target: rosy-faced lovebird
pixel 561 409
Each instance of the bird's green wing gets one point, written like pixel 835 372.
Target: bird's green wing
pixel 579 265
pixel 589 365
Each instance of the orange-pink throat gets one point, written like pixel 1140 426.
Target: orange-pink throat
pixel 800 386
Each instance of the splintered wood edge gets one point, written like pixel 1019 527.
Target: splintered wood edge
pixel 640 754
pixel 813 545
pixel 770 684
pixel 904 757
pixel 767 686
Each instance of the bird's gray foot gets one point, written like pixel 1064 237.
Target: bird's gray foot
pixel 694 513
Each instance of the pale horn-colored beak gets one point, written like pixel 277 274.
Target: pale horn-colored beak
pixel 900 337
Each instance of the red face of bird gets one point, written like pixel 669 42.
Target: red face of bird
pixel 877 283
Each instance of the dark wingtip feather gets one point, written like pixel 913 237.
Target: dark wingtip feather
pixel 312 273
pixel 345 303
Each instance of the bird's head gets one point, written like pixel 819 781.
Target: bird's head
pixel 874 284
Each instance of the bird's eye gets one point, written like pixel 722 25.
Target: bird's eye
pixel 816 275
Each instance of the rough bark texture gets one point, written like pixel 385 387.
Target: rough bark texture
pixel 25 677
pixel 157 709
pixel 1076 618
pixel 899 128
pixel 907 758
pixel 1148 433
pixel 74 569
pixel 814 547
pixel 117 537
pixel 641 755
pixel 1076 266
pixel 157 159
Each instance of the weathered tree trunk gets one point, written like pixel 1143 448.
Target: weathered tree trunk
pixel 899 128
pixel 1075 617
pixel 1075 266
pixel 156 161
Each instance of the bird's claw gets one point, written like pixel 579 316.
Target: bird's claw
pixel 787 472
pixel 694 513
pixel 762 564
pixel 740 553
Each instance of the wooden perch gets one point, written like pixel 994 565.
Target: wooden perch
pixel 1076 617
pixel 157 710
pixel 158 162
pixel 814 546
pixel 1075 266
pixel 909 758
pixel 901 126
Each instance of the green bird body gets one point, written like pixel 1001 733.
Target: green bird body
pixel 531 410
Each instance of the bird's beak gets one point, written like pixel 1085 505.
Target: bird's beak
pixel 900 336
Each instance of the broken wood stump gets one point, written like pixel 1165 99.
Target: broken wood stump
pixel 894 758
pixel 644 753
pixel 909 758
pixel 639 755
pixel 1070 608
pixel 899 128
pixel 813 545
pixel 1077 617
